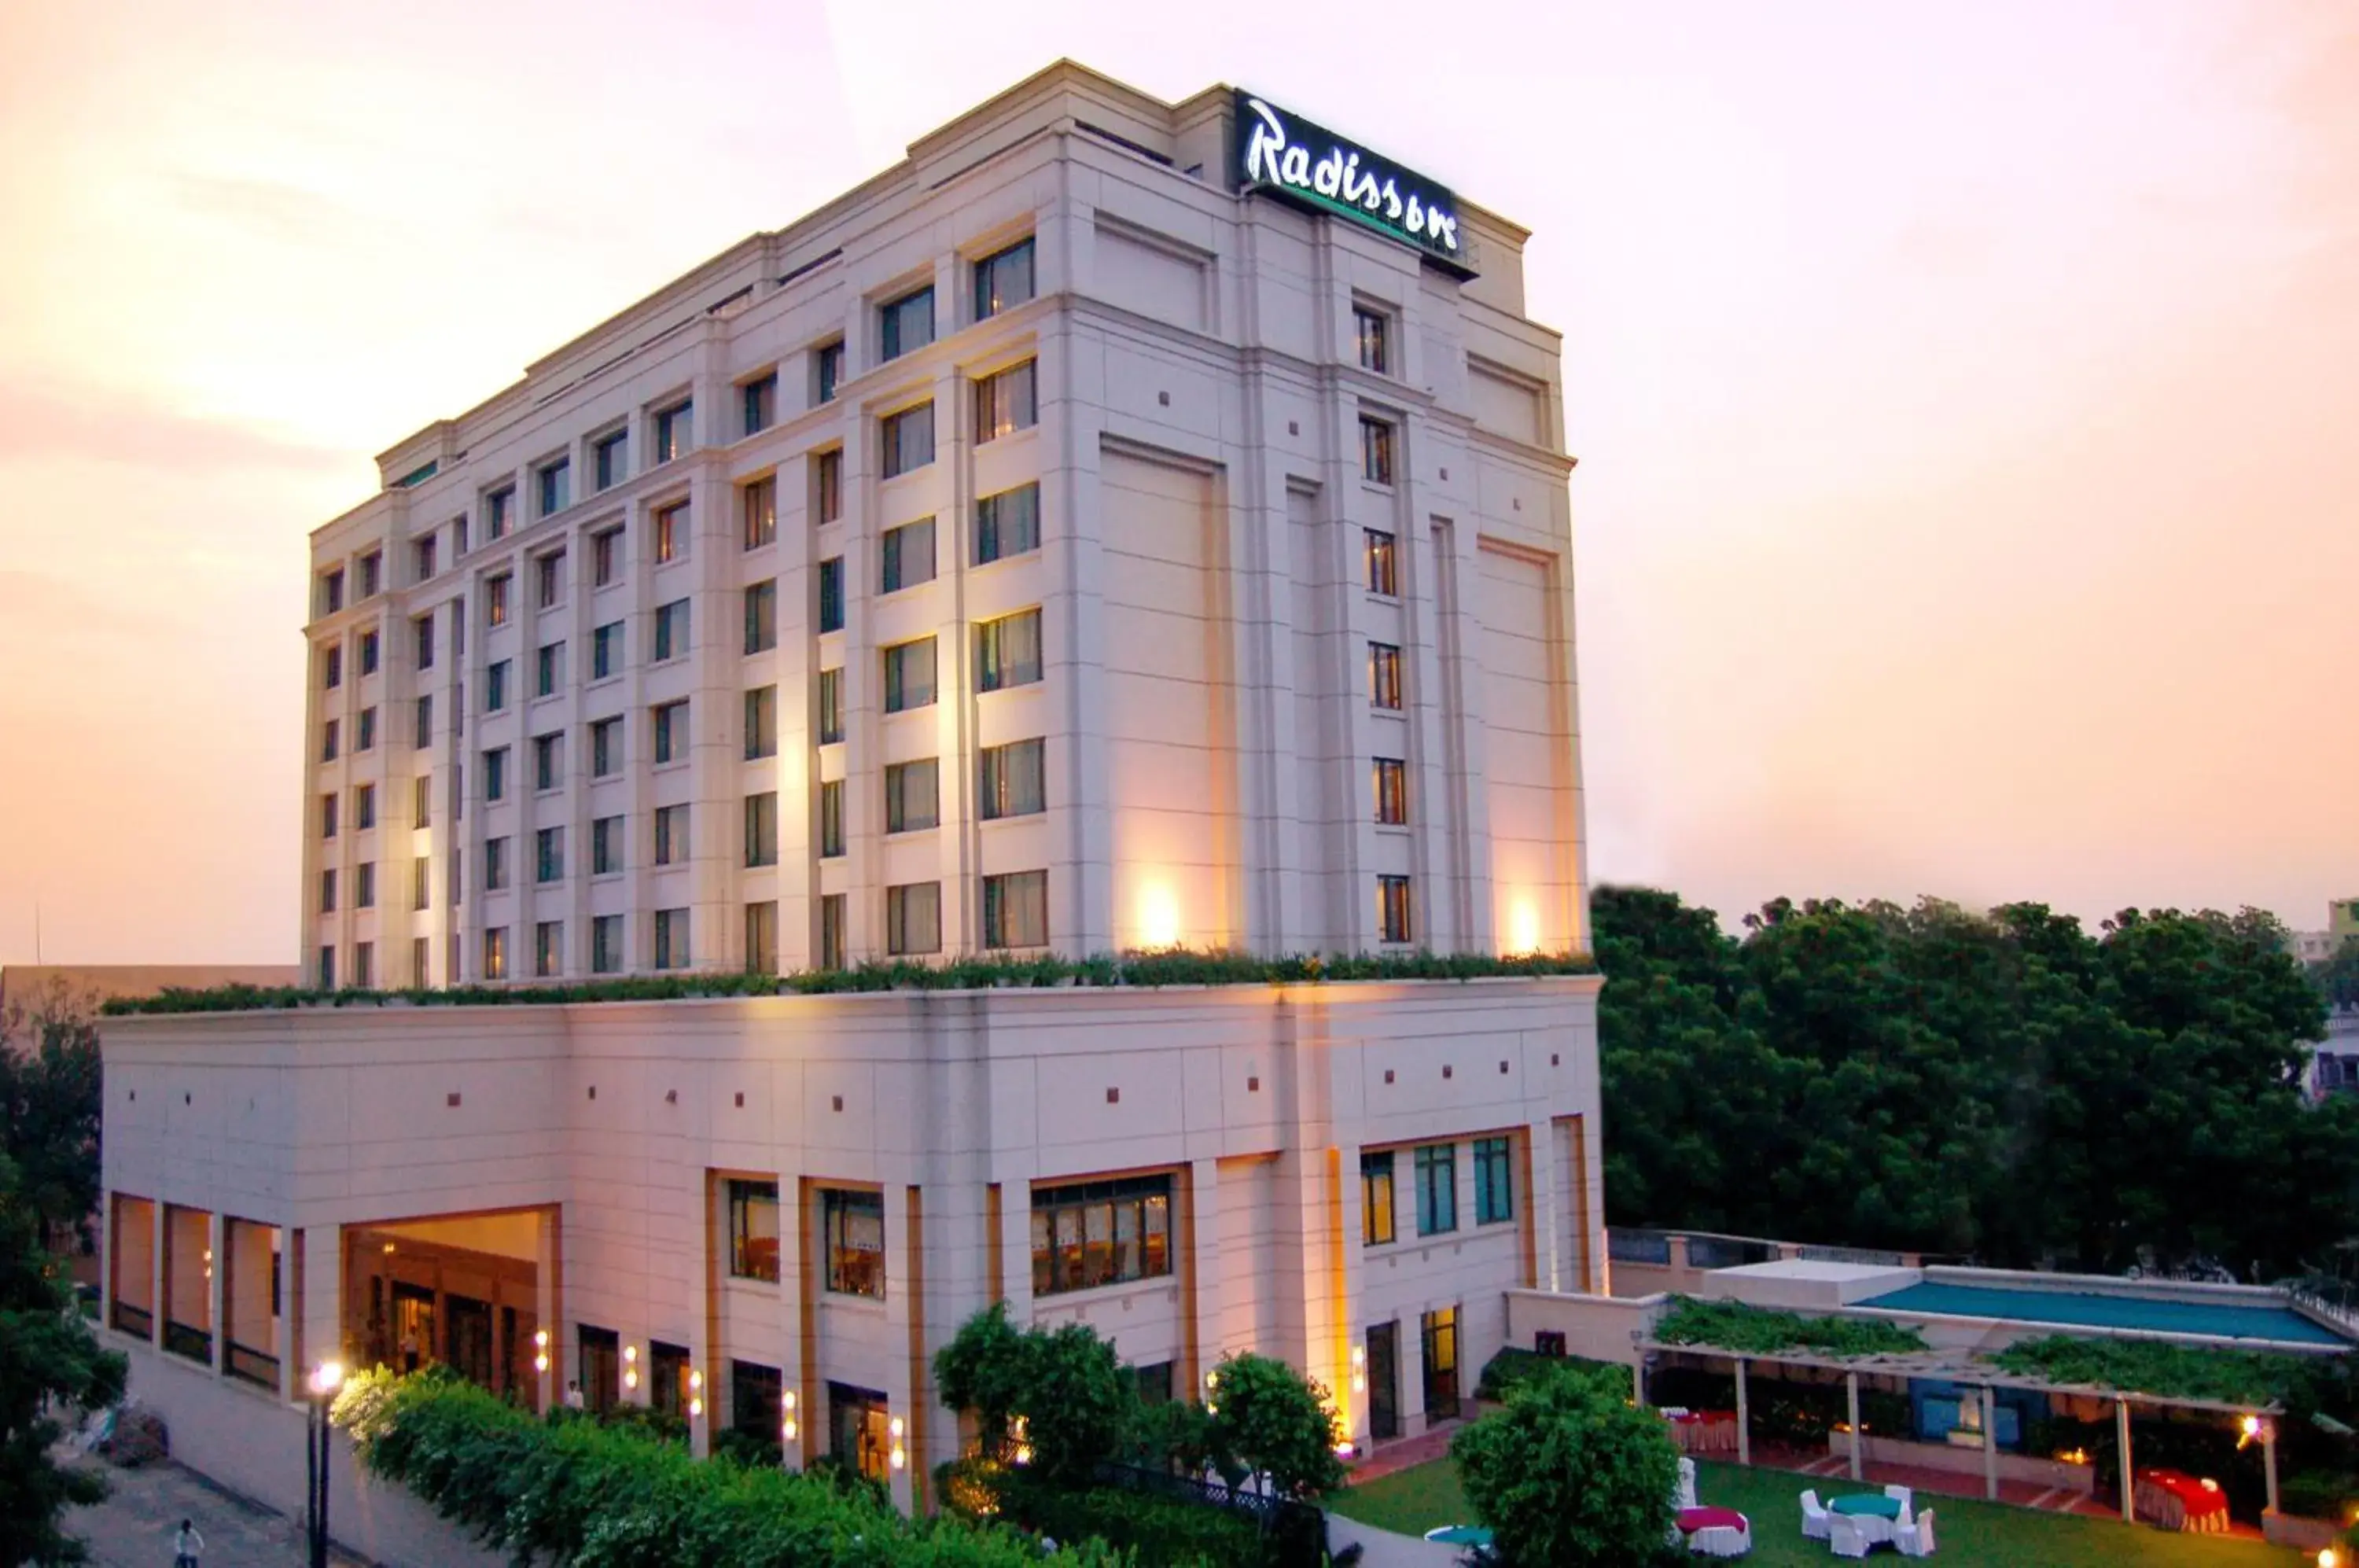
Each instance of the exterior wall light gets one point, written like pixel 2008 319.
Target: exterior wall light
pixel 900 1455
pixel 789 1426
pixel 1359 1369
pixel 540 1350
pixel 630 1367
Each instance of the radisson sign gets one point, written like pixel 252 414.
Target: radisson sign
pixel 1288 156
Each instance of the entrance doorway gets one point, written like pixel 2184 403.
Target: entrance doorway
pixel 859 1431
pixel 472 1340
pixel 413 1327
pixel 1439 1328
pixel 1384 1382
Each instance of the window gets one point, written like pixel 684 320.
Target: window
pixel 422 628
pixel 762 829
pixel 364 807
pixel 496 864
pixel 547 669
pixel 495 601
pixel 607 455
pixel 762 938
pixel 853 1223
pixel 754 1230
pixel 606 945
pixel 330 737
pixel 605 557
pixel 671 533
pixel 913 919
pixel 908 438
pixel 495 774
pixel 1383 572
pixel 606 651
pixel 761 722
pixel 1008 651
pixel 456 874
pixel 549 579
pixel 606 747
pixel 605 846
pixel 422 730
pixel 331 591
pixel 1002 279
pixel 830 594
pixel 909 675
pixel 498 507
pixel 762 615
pixel 1101 1233
pixel 907 323
pixel 1384 675
pixel 1015 909
pixel 421 882
pixel 365 965
pixel 1392 791
pixel 549 949
pixel 671 631
pixel 333 667
pixel 419 975
pixel 758 505
pixel 912 795
pixel 757 402
pixel 328 891
pixel 1008 524
pixel 1006 403
pixel 372 574
pixel 1437 1188
pixel 671 939
pixel 831 819
pixel 495 953
pixel 827 485
pixel 671 732
pixel 1392 910
pixel 1375 1198
pixel 834 914
pixel 496 685
pixel 424 561
pixel 421 800
pixel 1375 451
pixel 327 969
pixel 675 431
pixel 547 761
pixel 1374 331
pixel 671 835
pixel 328 816
pixel 831 706
pixel 827 371
pixel 555 481
pixel 364 885
pixel 908 552
pixel 549 855
pixel 1494 1193
pixel 368 653
pixel 1013 782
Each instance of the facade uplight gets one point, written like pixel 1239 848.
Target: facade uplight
pixel 900 1455
pixel 1158 916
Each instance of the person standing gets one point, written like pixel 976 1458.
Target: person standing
pixel 187 1545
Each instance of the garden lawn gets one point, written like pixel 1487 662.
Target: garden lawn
pixel 1972 1534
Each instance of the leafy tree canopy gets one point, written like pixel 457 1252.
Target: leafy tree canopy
pixel 1570 1474
pixel 50 1105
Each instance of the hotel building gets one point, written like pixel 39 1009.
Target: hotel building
pixel 1119 524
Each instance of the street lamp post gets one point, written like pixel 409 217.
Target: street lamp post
pixel 326 1378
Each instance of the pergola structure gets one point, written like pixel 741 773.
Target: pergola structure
pixel 1970 1371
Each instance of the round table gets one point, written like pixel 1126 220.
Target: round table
pixel 1693 1519
pixel 1872 1503
pixel 1460 1535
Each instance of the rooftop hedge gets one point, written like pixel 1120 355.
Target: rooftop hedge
pixel 1758 1330
pixel 2173 1371
pixel 1171 967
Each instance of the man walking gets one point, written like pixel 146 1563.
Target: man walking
pixel 187 1545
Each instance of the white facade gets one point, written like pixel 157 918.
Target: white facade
pixel 1211 610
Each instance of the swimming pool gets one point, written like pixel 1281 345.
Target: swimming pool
pixel 2084 1310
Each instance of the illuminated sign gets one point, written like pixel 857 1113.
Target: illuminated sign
pixel 1288 156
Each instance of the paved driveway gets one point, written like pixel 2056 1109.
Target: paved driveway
pixel 133 1528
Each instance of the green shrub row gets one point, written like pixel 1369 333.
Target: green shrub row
pixel 1514 1368
pixel 1171 967
pixel 591 1496
pixel 1159 1532
pixel 2157 1367
pixel 1757 1331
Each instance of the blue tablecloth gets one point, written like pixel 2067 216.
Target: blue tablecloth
pixel 1874 1503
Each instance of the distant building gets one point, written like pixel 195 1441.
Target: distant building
pixel 27 984
pixel 2342 923
pixel 2312 947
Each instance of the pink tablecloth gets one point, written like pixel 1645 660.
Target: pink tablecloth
pixel 1693 1519
pixel 2176 1500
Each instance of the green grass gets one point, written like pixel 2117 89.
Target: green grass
pixel 1972 1534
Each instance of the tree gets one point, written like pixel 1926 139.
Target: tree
pixel 1076 1404
pixel 50 1361
pixel 1269 1420
pixel 49 1107
pixel 1570 1474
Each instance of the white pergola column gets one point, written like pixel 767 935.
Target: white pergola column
pixel 1743 1417
pixel 1851 1395
pixel 1990 1446
pixel 2121 1443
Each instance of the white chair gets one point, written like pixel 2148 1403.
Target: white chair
pixel 1916 1539
pixel 1687 1494
pixel 1900 1495
pixel 1845 1536
pixel 1814 1517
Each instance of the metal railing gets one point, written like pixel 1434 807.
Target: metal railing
pixel 1639 1247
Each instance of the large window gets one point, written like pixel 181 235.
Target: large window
pixel 762 829
pixel 754 1230
pixel 671 732
pixel 1002 279
pixel 1014 779
pixel 671 939
pixel 762 615
pixel 1015 909
pixel 1373 330
pixel 1494 1191
pixel 1008 651
pixel 1375 451
pixel 762 937
pixel 759 398
pixel 1006 403
pixel 908 438
pixel 761 513
pixel 1101 1233
pixel 671 631
pixel 1392 791
pixel 909 675
pixel 756 1399
pixel 853 1223
pixel 1395 922
pixel 1376 1199
pixel 1008 524
pixel 907 323
pixel 1384 563
pixel 912 795
pixel 913 919
pixel 827 485
pixel 831 706
pixel 761 722
pixel 909 556
pixel 1384 675
pixel 675 431
pixel 830 594
pixel 1437 1188
pixel 831 819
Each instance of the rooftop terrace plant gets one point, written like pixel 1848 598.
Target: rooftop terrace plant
pixel 1758 1330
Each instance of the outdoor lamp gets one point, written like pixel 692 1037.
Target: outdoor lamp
pixel 1359 1369
pixel 327 1377
pixel 2329 1558
pixel 540 1350
pixel 900 1455
pixel 630 1367
pixel 786 1428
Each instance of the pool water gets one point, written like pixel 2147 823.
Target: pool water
pixel 2084 1310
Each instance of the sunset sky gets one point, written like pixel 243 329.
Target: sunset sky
pixel 1966 397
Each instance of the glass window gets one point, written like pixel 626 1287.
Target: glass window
pixel 549 855
pixel 1101 1233
pixel 671 732
pixel 421 881
pixel 606 747
pixel 326 970
pixel 607 458
pixel 495 953
pixel 1008 651
pixel 1015 909
pixel 1494 1193
pixel 1002 279
pixel 1392 909
pixel 907 438
pixel 834 914
pixel 328 816
pixel 605 557
pixel 831 706
pixel 364 885
pixel 831 819
pixel 1006 403
pixel 549 574
pixel 1014 779
pixel 495 773
pixel 853 1223
pixel 671 533
pixel 1373 330
pixel 364 807
pixel 909 675
pixel 827 371
pixel 328 891
pixel 759 507
pixel 421 800
pixel 423 559
pixel 331 592
pixel 762 615
pixel 1375 451
pixel 912 795
pixel 498 509
pixel 1384 675
pixel 422 725
pixel 671 631
pixel 762 828
pixel 606 945
pixel 908 552
pixel 548 949
pixel 330 734
pixel 754 1230
pixel 1008 524
pixel 759 402
pixel 830 594
pixel 1437 1188
pixel 495 600
pixel 606 650
pixel 827 485
pixel 671 834
pixel 556 486
pixel 605 845
pixel 547 761
pixel 675 431
pixel 371 573
pixel 913 919
pixel 1392 791
pixel 368 653
pixel 547 669
pixel 365 735
pixel 496 864
pixel 762 937
pixel 423 629
pixel 1375 1198
pixel 671 939
pixel 333 667
pixel 761 722
pixel 496 685
pixel 907 323
pixel 1384 574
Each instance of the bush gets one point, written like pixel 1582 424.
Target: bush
pixel 1512 1368
pixel 1076 1403
pixel 1569 1474
pixel 1757 1331
pixel 1160 1532
pixel 1269 1420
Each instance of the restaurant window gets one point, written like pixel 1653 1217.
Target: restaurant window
pixel 1375 451
pixel 1494 1193
pixel 1015 910
pixel 756 1401
pixel 1376 1199
pixel 1437 1188
pixel 907 553
pixel 754 1230
pixel 761 513
pixel 1373 330
pixel 909 675
pixel 827 485
pixel 761 722
pixel 762 937
pixel 759 401
pixel 913 919
pixel 908 438
pixel 1101 1233
pixel 1392 791
pixel 667 1385
pixel 1006 403
pixel 831 706
pixel 602 1368
pixel 762 615
pixel 1393 914
pixel 1002 279
pixel 1008 524
pixel 912 795
pixel 860 1431
pixel 907 323
pixel 854 1225
pixel 1014 781
pixel 1384 675
pixel 1008 651
pixel 1384 565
